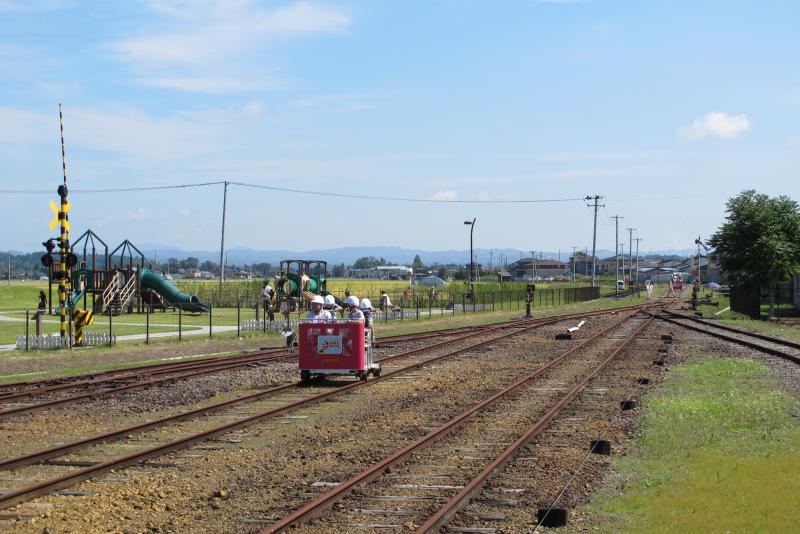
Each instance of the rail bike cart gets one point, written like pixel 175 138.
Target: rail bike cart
pixel 335 347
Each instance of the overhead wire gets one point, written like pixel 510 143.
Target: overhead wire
pixel 401 199
pixel 294 191
pixel 110 189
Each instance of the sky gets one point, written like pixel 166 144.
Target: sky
pixel 665 108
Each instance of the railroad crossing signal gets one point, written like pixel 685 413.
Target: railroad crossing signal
pixel 59 215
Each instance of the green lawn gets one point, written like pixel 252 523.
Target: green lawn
pixel 718 450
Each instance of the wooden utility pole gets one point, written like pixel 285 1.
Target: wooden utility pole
pixel 594 237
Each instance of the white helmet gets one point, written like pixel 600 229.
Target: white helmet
pixel 351 301
pixel 317 300
pixel 365 303
pixel 330 300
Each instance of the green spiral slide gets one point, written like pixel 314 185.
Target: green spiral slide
pixel 171 294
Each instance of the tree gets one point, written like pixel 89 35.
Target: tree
pixel 338 271
pixel 442 273
pixel 760 242
pixel 368 262
pixel 209 266
pixel 417 263
pixel 189 263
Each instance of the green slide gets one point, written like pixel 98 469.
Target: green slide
pixel 170 293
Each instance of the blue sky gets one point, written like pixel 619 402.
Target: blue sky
pixel 665 108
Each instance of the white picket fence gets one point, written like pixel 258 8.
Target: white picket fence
pixel 55 341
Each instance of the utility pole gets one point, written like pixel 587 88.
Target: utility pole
pixel 573 264
pixel 533 266
pixel 616 248
pixel 594 237
pixel 222 241
pixel 637 259
pixel 9 266
pixel 630 251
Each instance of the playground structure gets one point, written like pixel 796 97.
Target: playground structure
pixel 112 289
pixel 298 281
pixel 301 280
pixel 127 285
pixel 99 282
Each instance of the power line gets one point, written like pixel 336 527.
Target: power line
pixel 401 199
pixel 295 191
pixel 108 190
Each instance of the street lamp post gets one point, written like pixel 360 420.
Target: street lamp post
pixel 471 260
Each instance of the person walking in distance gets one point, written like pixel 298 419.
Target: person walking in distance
pixel 267 293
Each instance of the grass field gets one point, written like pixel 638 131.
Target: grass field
pixel 718 451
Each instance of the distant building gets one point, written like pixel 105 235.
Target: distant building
pixel 582 264
pixel 384 272
pixel 524 269
pixel 609 265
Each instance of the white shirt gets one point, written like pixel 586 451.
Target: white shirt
pixel 385 300
pixel 323 315
pixel 267 292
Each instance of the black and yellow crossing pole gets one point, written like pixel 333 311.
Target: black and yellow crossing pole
pixel 62 218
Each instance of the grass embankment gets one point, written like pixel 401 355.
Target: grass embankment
pixel 781 328
pixel 718 451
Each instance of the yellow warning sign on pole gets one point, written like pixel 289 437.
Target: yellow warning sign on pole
pixel 58 215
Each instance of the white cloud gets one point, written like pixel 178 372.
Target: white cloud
pixel 447 194
pixel 20 125
pixel 186 212
pixel 483 195
pixel 334 102
pixel 221 84
pixel 139 214
pixel 253 109
pixel 226 29
pixel 138 136
pixel 716 124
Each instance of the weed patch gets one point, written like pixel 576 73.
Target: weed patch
pixel 718 450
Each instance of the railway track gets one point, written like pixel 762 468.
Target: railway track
pixel 429 481
pixel 115 382
pixel 118 382
pixel 240 412
pixel 44 386
pixel 786 349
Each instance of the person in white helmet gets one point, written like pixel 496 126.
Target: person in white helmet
pixel 366 309
pixel 331 306
pixel 316 313
pixel 355 313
